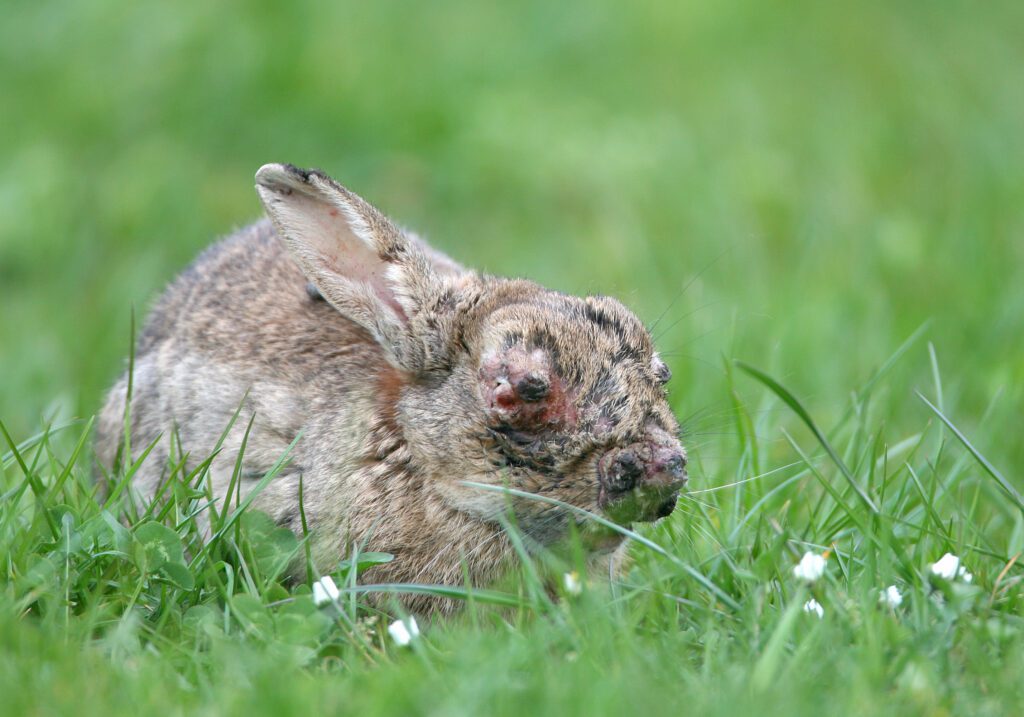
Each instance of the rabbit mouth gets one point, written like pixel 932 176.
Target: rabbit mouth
pixel 642 505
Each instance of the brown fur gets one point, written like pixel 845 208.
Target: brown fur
pixel 413 376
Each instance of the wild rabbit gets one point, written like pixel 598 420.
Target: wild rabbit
pixel 404 376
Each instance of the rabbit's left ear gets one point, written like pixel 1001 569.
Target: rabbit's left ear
pixel 364 265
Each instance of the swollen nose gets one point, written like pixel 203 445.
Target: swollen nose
pixel 626 472
pixel 667 468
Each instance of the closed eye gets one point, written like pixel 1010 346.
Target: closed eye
pixel 661 370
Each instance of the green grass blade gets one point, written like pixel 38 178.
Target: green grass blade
pixel 688 569
pixel 1012 492
pixel 790 400
pixel 491 597
pixel 37 487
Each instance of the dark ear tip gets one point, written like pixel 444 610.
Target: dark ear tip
pixel 284 178
pixel 277 178
pixel 298 172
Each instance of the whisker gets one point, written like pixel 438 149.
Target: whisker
pixel 745 480
pixel 687 286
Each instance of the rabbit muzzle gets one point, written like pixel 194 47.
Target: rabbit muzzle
pixel 641 482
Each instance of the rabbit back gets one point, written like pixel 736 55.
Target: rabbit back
pixel 238 331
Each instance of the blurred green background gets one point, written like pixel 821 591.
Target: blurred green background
pixel 822 178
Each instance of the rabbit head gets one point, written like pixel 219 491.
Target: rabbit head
pixel 491 380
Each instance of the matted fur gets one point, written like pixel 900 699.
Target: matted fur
pixel 405 375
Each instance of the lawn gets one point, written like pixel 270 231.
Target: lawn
pixel 818 207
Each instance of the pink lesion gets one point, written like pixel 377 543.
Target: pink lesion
pixel 520 388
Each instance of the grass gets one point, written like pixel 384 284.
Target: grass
pixel 816 207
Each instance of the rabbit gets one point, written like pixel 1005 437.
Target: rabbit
pixel 404 376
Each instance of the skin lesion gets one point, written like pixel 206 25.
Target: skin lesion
pixel 522 390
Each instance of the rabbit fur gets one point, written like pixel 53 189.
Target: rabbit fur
pixel 403 375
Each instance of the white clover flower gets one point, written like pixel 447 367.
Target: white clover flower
pixel 811 567
pixel 325 591
pixel 948 567
pixel 891 597
pixel 572 584
pixel 404 631
pixel 814 607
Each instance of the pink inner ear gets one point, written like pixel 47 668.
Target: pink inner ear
pixel 344 253
pixel 520 388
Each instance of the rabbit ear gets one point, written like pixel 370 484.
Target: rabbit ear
pixel 364 265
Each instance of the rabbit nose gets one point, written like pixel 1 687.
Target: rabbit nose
pixel 667 467
pixel 641 482
pixel 624 472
